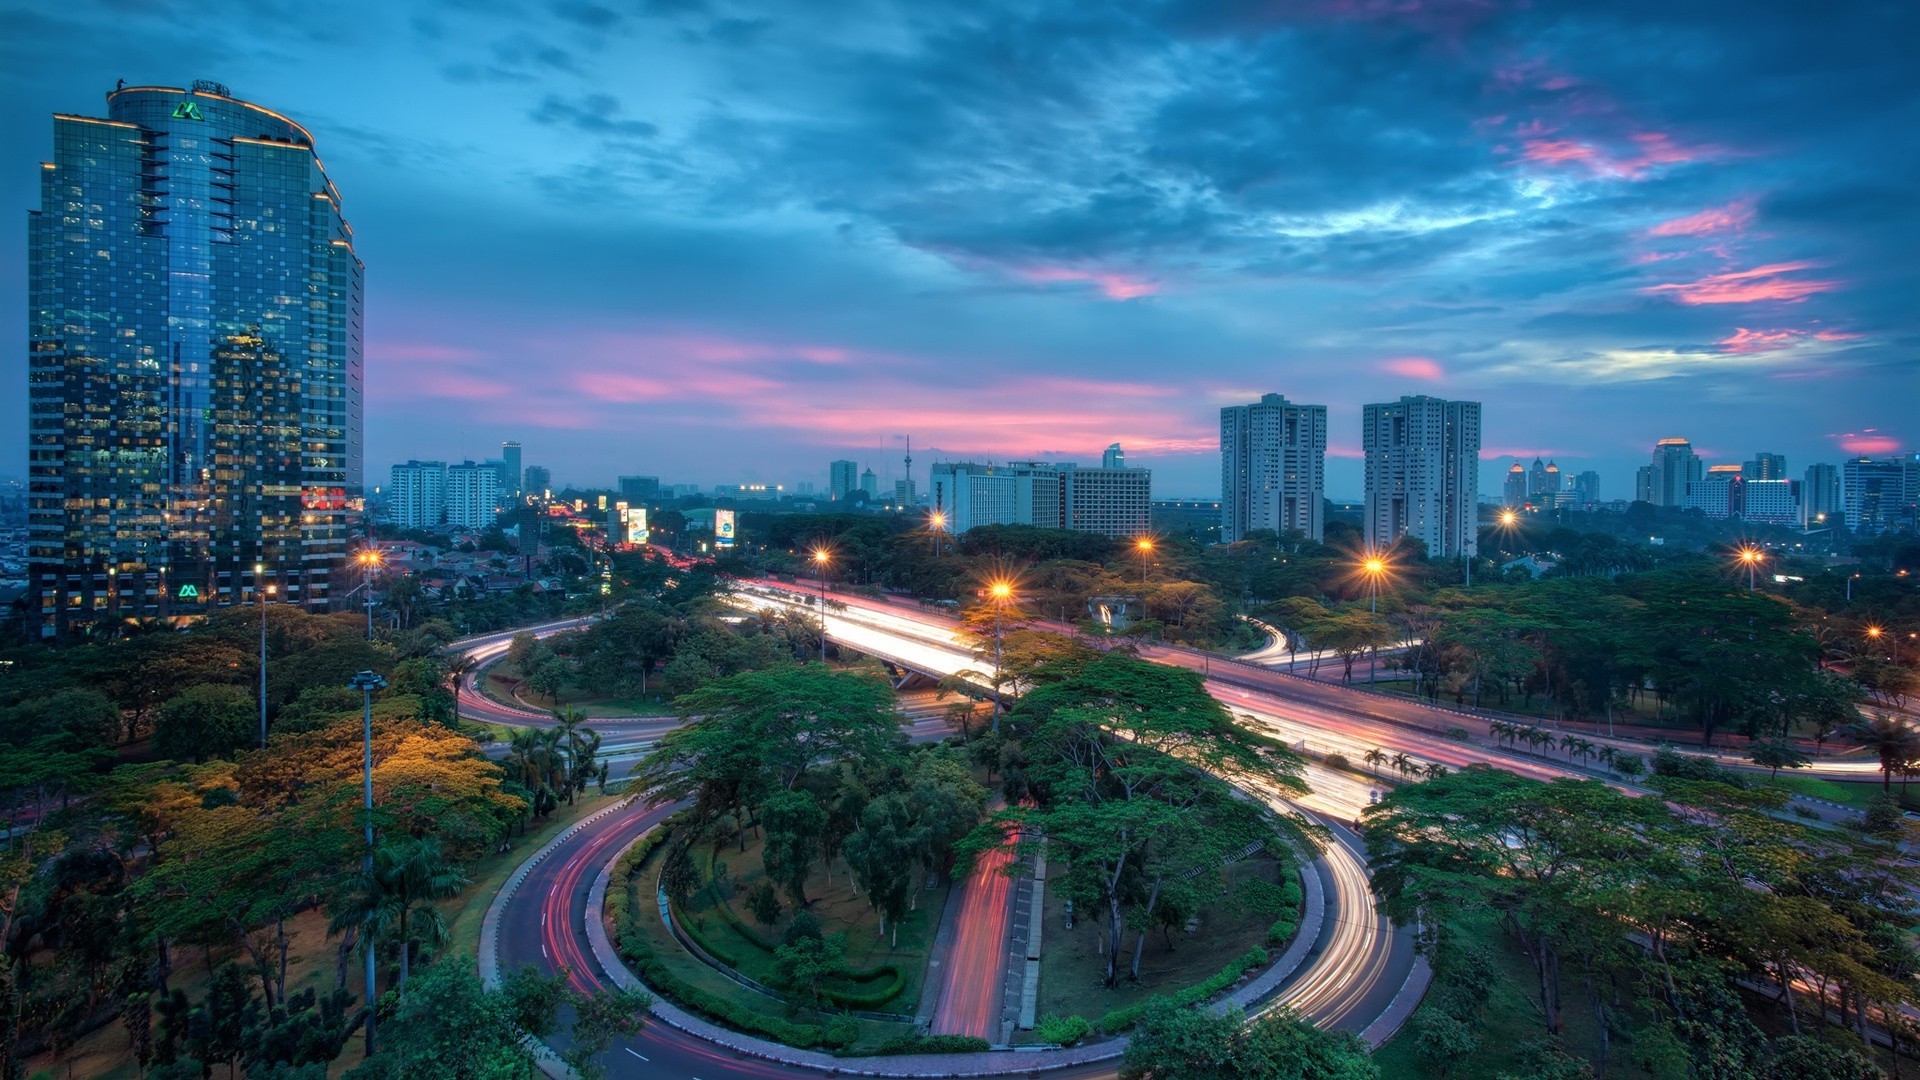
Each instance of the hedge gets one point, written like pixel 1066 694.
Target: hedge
pixel 1121 1019
pixel 922 1044
pixel 870 999
pixel 634 950
pixel 846 999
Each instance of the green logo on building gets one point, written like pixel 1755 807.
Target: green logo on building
pixel 189 592
pixel 188 110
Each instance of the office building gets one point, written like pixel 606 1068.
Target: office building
pixel 511 469
pixel 842 478
pixel 640 489
pixel 417 494
pixel 1541 480
pixel 1873 490
pixel 1513 493
pixel 539 480
pixel 1586 488
pixel 1111 502
pixel 1422 473
pixel 1765 466
pixel 870 484
pixel 1554 483
pixel 904 492
pixel 1773 502
pixel 1819 496
pixel 194 379
pixel 473 494
pixel 1114 457
pixel 1664 482
pixel 1718 493
pixel 1272 468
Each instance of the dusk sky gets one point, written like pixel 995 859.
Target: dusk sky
pixel 723 242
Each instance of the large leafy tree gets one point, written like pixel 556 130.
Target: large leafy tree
pixel 1198 1044
pixel 209 720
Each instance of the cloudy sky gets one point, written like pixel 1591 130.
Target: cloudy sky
pixel 724 242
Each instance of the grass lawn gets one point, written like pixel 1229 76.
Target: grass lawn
pixel 839 908
pixel 1854 793
pixel 1073 967
pixel 501 689
pixel 642 889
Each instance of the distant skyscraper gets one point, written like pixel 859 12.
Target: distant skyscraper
pixel 1513 494
pixel 1272 468
pixel 1586 488
pixel 1114 458
pixel 510 468
pixel 473 494
pixel 1112 502
pixel 539 480
pixel 1423 467
pixel 1819 495
pixel 869 483
pixel 194 383
pixel 1554 483
pixel 1664 483
pixel 1717 494
pixel 842 478
pixel 1537 479
pixel 640 489
pixel 417 494
pixel 1765 466
pixel 1874 492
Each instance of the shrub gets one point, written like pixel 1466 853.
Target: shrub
pixel 635 950
pixel 1282 930
pixel 1337 761
pixel 1064 1030
pixel 1121 1019
pixel 924 1044
pixel 869 999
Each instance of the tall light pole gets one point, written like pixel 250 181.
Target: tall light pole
pixel 265 590
pixel 1750 557
pixel 367 682
pixel 369 562
pixel 1144 546
pixel 936 523
pixel 1375 568
pixel 1001 592
pixel 1850 581
pixel 821 557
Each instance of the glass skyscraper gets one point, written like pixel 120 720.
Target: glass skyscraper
pixel 195 378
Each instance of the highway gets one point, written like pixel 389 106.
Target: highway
pixel 1360 961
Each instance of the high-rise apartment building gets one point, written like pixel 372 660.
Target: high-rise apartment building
pixel 1765 466
pixel 1874 492
pixel 1114 457
pixel 539 479
pixel 1586 488
pixel 870 484
pixel 1111 502
pixel 1774 502
pixel 473 494
pixel 640 489
pixel 1664 483
pixel 1423 467
pixel 510 468
pixel 1513 492
pixel 1819 495
pixel 1272 468
pixel 1717 494
pixel 843 477
pixel 417 494
pixel 1538 480
pixel 194 380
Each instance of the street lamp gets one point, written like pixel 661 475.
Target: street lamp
pixel 265 590
pixel 367 682
pixel 1144 546
pixel 1000 590
pixel 936 524
pixel 369 562
pixel 1851 578
pixel 821 557
pixel 1750 557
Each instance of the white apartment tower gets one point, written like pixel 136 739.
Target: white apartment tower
pixel 1423 474
pixel 417 494
pixel 1272 467
pixel 473 494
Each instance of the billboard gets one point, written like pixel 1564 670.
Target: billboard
pixel 636 525
pixel 723 528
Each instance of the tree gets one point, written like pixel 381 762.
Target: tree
pixel 1173 1043
pixel 1776 754
pixel 204 721
pixel 398 899
pixel 459 666
pixel 793 820
pixel 880 853
pixel 1892 738
pixel 801 963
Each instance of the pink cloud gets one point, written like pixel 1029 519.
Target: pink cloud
pixel 1647 150
pixel 1415 367
pixel 1770 282
pixel 1114 286
pixel 1868 442
pixel 1732 217
pixel 1744 340
pixel 1836 335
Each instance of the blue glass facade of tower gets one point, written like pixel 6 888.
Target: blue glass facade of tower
pixel 195 374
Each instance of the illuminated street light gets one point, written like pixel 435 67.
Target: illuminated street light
pixel 936 524
pixel 1001 590
pixel 821 557
pixel 369 561
pixel 1750 557
pixel 1144 546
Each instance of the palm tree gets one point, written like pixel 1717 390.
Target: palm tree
pixel 1567 743
pixel 568 725
pixel 1606 754
pixel 1435 770
pixel 459 666
pixel 1582 749
pixel 1404 765
pixel 1375 757
pixel 1892 738
pixel 398 897
pixel 1500 730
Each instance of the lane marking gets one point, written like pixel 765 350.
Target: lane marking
pixel 639 1055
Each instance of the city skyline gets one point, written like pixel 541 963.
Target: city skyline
pixel 1603 254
